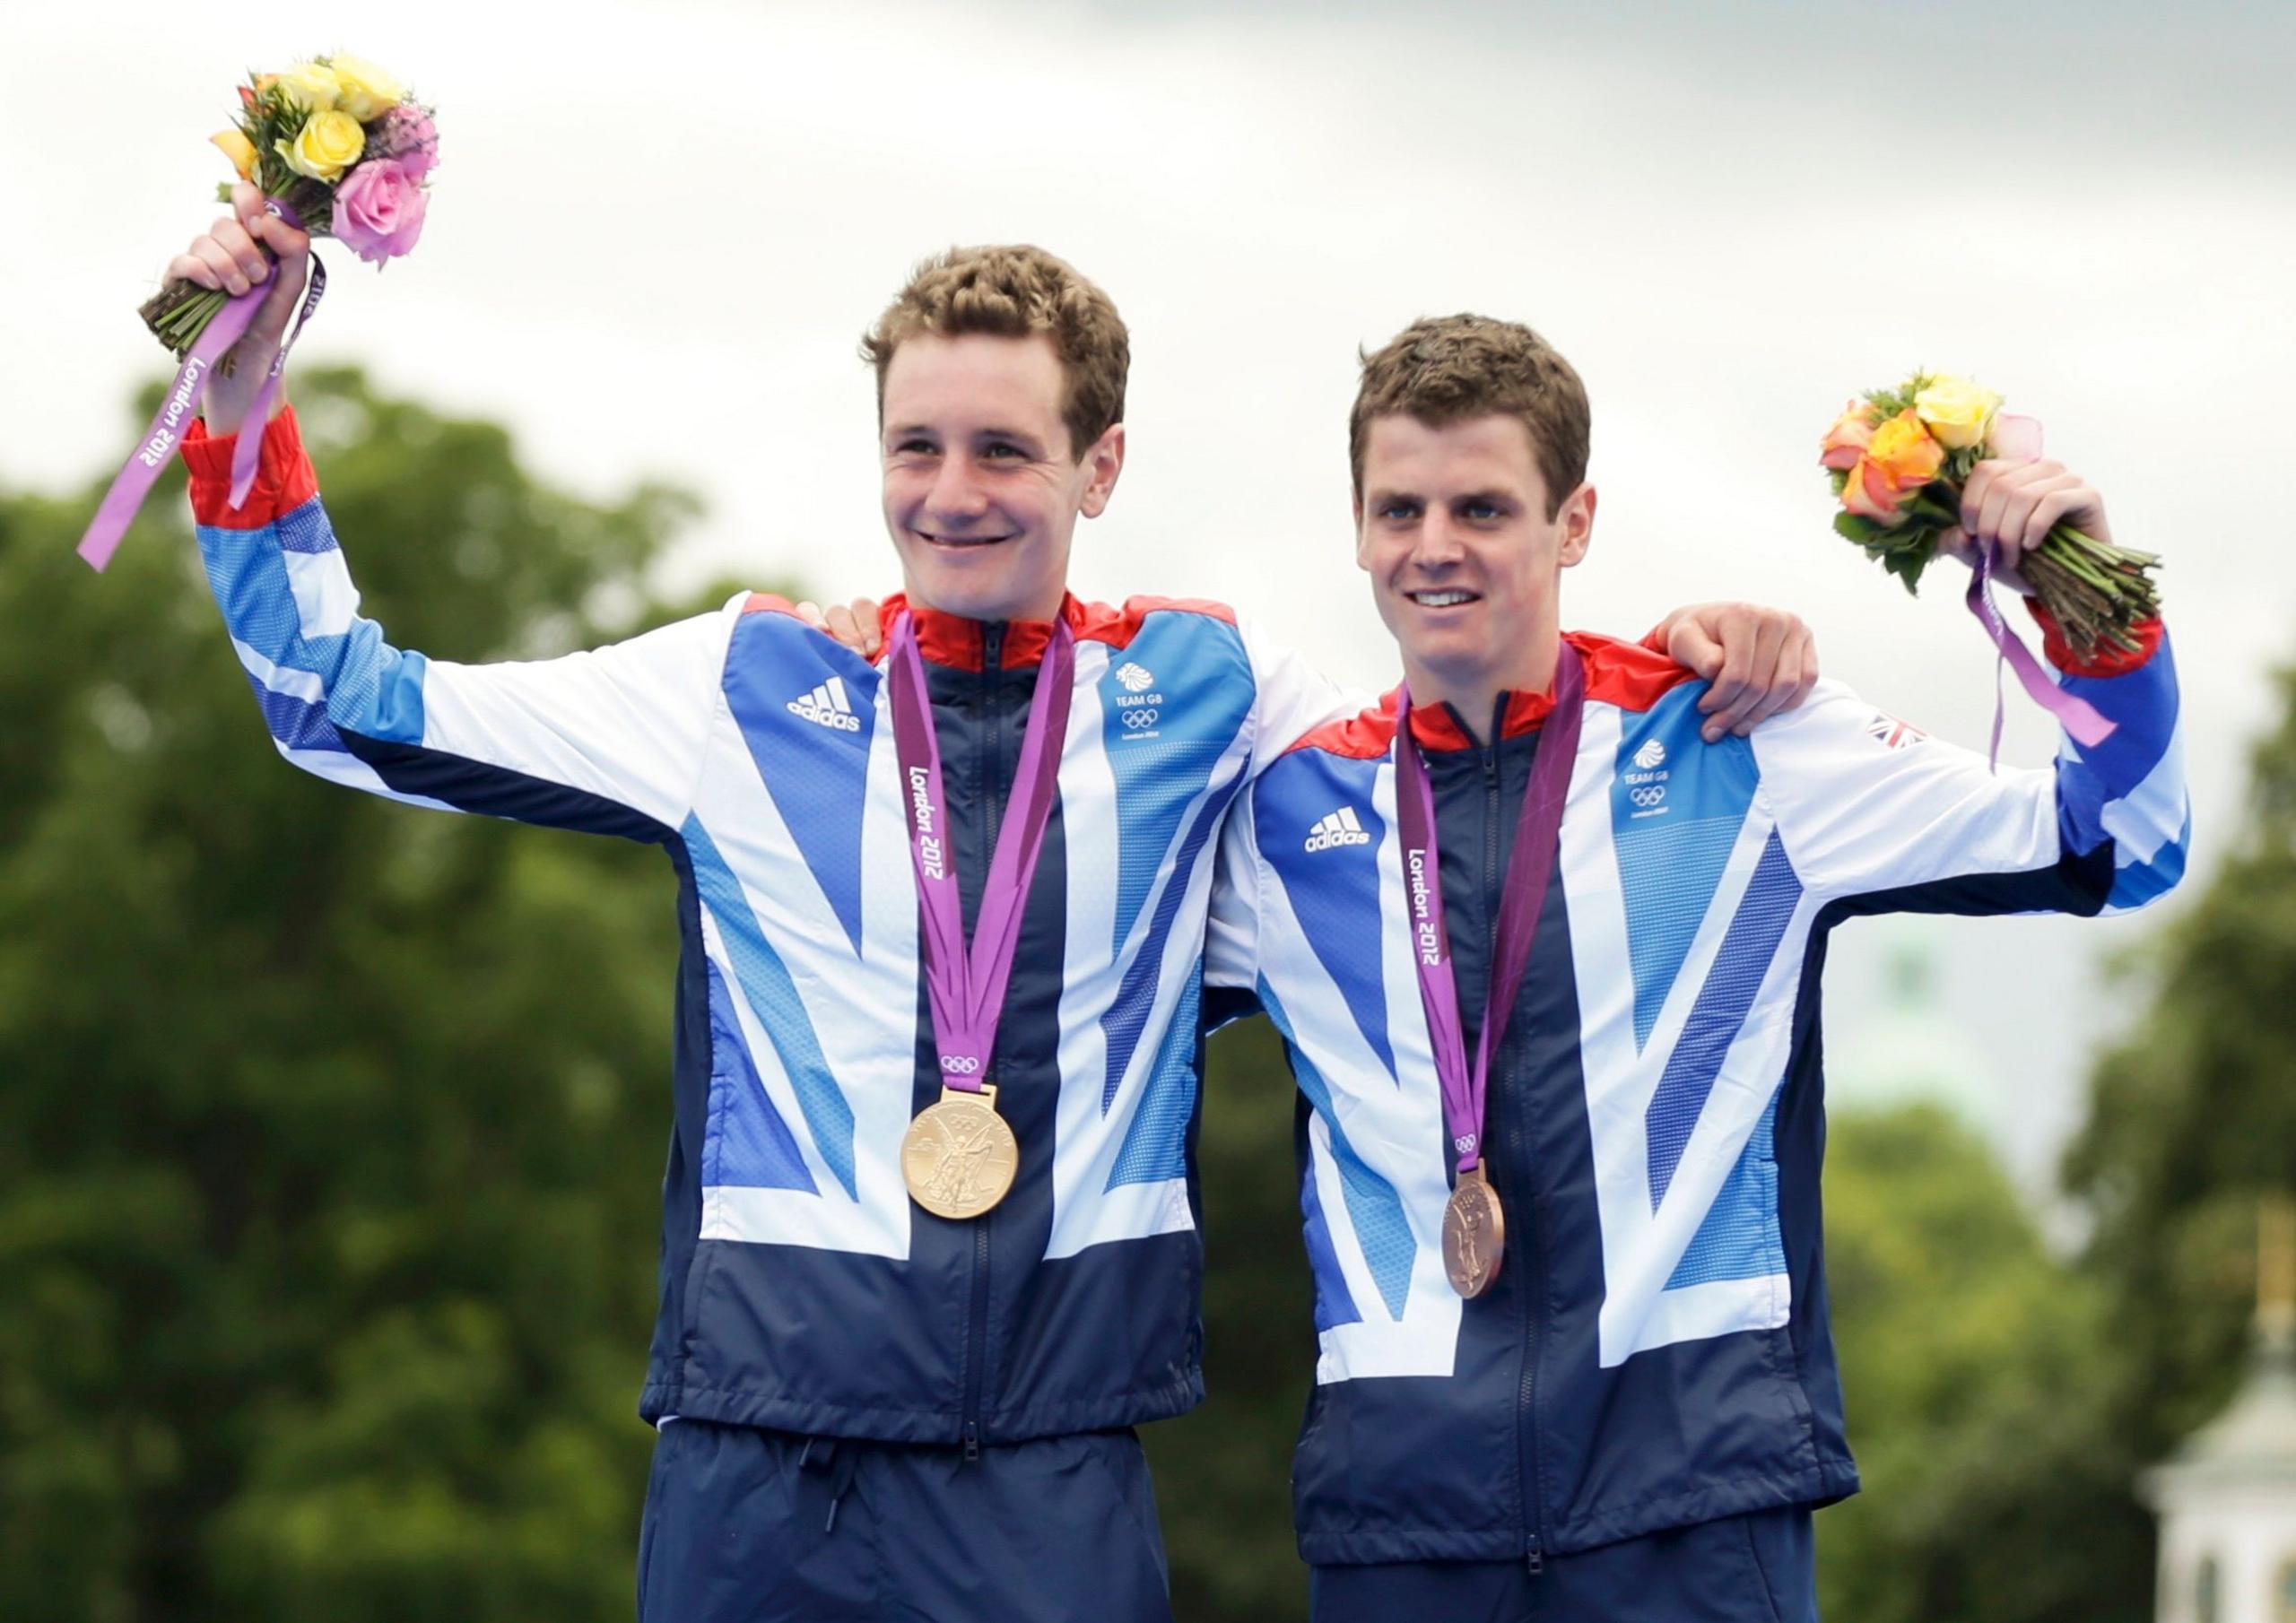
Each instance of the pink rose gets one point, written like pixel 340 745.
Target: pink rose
pixel 378 210
pixel 406 134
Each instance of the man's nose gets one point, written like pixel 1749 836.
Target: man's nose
pixel 956 492
pixel 1438 543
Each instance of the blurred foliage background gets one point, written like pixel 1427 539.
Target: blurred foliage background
pixel 330 1134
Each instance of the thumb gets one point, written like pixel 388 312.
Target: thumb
pixel 288 275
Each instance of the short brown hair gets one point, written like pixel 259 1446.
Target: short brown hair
pixel 1015 290
pixel 1443 369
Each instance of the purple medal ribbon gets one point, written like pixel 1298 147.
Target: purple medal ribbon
pixel 227 327
pixel 965 983
pixel 1522 898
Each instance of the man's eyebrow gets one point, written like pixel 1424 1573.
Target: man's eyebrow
pixel 1497 496
pixel 1379 496
pixel 902 431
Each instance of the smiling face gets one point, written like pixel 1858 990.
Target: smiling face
pixel 1464 558
pixel 982 489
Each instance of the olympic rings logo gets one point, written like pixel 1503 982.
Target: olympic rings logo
pixel 961 1065
pixel 1464 1142
pixel 1137 719
pixel 1647 797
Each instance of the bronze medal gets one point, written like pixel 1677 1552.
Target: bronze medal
pixel 1475 1234
pixel 959 1157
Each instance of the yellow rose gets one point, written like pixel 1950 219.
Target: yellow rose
pixel 312 86
pixel 365 90
pixel 330 143
pixel 1957 411
pixel 235 145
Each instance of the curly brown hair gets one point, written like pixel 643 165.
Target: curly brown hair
pixel 1443 369
pixel 1015 290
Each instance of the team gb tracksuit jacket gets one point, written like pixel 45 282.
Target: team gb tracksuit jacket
pixel 1656 1349
pixel 800 1287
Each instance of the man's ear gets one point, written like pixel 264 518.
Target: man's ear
pixel 1103 462
pixel 1578 521
pixel 1363 541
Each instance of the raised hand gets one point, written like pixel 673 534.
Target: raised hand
pixel 2011 505
pixel 230 255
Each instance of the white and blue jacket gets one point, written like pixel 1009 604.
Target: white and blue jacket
pixel 800 1287
pixel 1656 1351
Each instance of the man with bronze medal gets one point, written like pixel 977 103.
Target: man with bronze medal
pixel 929 1246
pixel 1545 961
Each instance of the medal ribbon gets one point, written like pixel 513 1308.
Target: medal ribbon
pixel 225 328
pixel 1522 898
pixel 965 982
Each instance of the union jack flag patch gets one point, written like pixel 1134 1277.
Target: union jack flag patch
pixel 1894 735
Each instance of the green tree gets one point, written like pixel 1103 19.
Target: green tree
pixel 1972 1364
pixel 1222 1472
pixel 327 1200
pixel 2191 1118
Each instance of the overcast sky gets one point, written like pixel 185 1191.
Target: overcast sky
pixel 658 231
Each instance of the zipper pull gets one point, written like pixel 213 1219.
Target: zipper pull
pixel 1533 1562
pixel 972 1441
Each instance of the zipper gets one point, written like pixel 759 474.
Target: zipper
pixel 1525 1443
pixel 992 661
pixel 1527 1430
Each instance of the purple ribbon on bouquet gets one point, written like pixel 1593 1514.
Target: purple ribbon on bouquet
pixel 2021 438
pixel 229 325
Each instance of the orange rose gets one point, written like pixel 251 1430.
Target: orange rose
pixel 1904 450
pixel 1847 440
pixel 1867 492
pixel 1898 460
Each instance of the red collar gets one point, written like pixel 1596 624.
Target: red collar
pixel 1629 675
pixel 1437 727
pixel 951 640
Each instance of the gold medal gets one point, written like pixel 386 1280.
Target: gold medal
pixel 959 1157
pixel 1475 1234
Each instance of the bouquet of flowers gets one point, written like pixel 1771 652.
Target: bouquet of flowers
pixel 1898 459
pixel 346 152
pixel 342 151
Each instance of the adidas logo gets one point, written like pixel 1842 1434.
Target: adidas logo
pixel 1651 754
pixel 1338 828
pixel 1134 677
pixel 826 706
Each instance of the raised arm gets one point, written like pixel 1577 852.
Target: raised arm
pixel 609 741
pixel 1868 808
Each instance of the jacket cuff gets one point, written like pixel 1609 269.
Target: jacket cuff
pixel 2105 659
pixel 283 478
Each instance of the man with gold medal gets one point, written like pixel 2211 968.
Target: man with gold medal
pixel 1546 962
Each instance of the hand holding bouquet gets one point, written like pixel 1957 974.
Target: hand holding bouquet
pixel 332 147
pixel 1908 463
pixel 347 152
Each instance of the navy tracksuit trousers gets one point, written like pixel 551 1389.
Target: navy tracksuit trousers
pixel 1757 1568
pixel 744 1525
